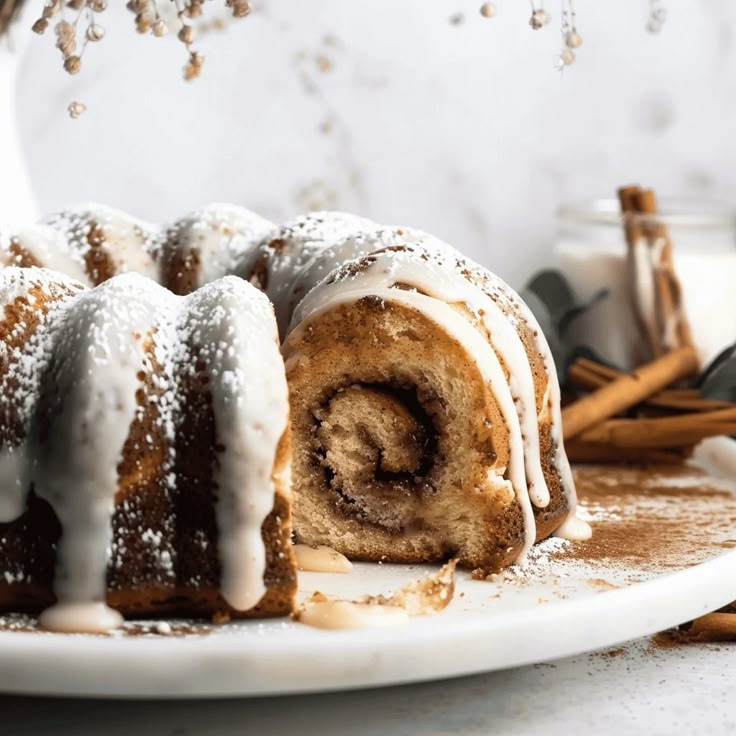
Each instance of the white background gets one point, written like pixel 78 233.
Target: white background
pixel 465 130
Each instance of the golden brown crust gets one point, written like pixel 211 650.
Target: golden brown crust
pixel 27 547
pixel 21 257
pixel 98 262
pixel 180 269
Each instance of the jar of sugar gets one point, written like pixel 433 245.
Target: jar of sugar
pixel 591 252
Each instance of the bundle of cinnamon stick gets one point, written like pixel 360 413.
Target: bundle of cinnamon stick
pixel 643 416
pixel 654 286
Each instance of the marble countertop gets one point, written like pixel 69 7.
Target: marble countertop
pixel 636 688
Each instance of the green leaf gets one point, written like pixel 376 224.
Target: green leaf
pixel 550 296
pixel 718 380
pixel 553 289
pixel 574 312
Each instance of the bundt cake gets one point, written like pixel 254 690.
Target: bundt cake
pixel 425 418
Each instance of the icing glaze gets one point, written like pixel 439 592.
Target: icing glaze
pixel 220 235
pixel 325 256
pixel 231 324
pixel 351 615
pixel 553 401
pixel 80 618
pixel 321 559
pixel 574 529
pixel 81 423
pixel 50 247
pixel 296 244
pixel 24 359
pixel 132 244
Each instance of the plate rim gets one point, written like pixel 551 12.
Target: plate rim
pixel 366 657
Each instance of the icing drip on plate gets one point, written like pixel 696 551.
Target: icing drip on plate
pixel 351 615
pixel 321 559
pixel 422 597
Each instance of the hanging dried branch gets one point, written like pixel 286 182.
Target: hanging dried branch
pixel 9 9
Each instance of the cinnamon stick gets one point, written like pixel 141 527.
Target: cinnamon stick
pixel 674 326
pixel 656 290
pixel 683 399
pixel 713 627
pixel 579 451
pixel 662 431
pixel 628 390
pixel 640 269
pixel 604 371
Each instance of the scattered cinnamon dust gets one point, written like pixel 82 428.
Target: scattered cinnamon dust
pixel 654 517
pixel 601 584
pixel 611 653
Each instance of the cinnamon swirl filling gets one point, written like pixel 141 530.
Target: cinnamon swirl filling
pixel 377 445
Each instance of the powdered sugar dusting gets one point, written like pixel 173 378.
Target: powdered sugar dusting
pixel 220 237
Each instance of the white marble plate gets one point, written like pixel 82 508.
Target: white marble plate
pixel 567 601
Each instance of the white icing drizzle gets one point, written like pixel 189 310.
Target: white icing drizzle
pixel 553 400
pixel 376 280
pixel 299 241
pixel 231 324
pixel 329 254
pixel 80 428
pixel 85 365
pixel 131 244
pixel 80 618
pixel 49 246
pixel 574 529
pixel 223 234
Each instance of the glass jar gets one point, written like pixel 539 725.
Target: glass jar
pixel 591 251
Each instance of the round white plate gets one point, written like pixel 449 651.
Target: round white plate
pixel 566 601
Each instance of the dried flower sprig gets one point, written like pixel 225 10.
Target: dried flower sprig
pixel 571 39
pixel 75 109
pixel 76 24
pixel 657 16
pixel 540 17
pixel 9 10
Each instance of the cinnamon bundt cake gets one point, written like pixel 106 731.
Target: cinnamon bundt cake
pixel 425 417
